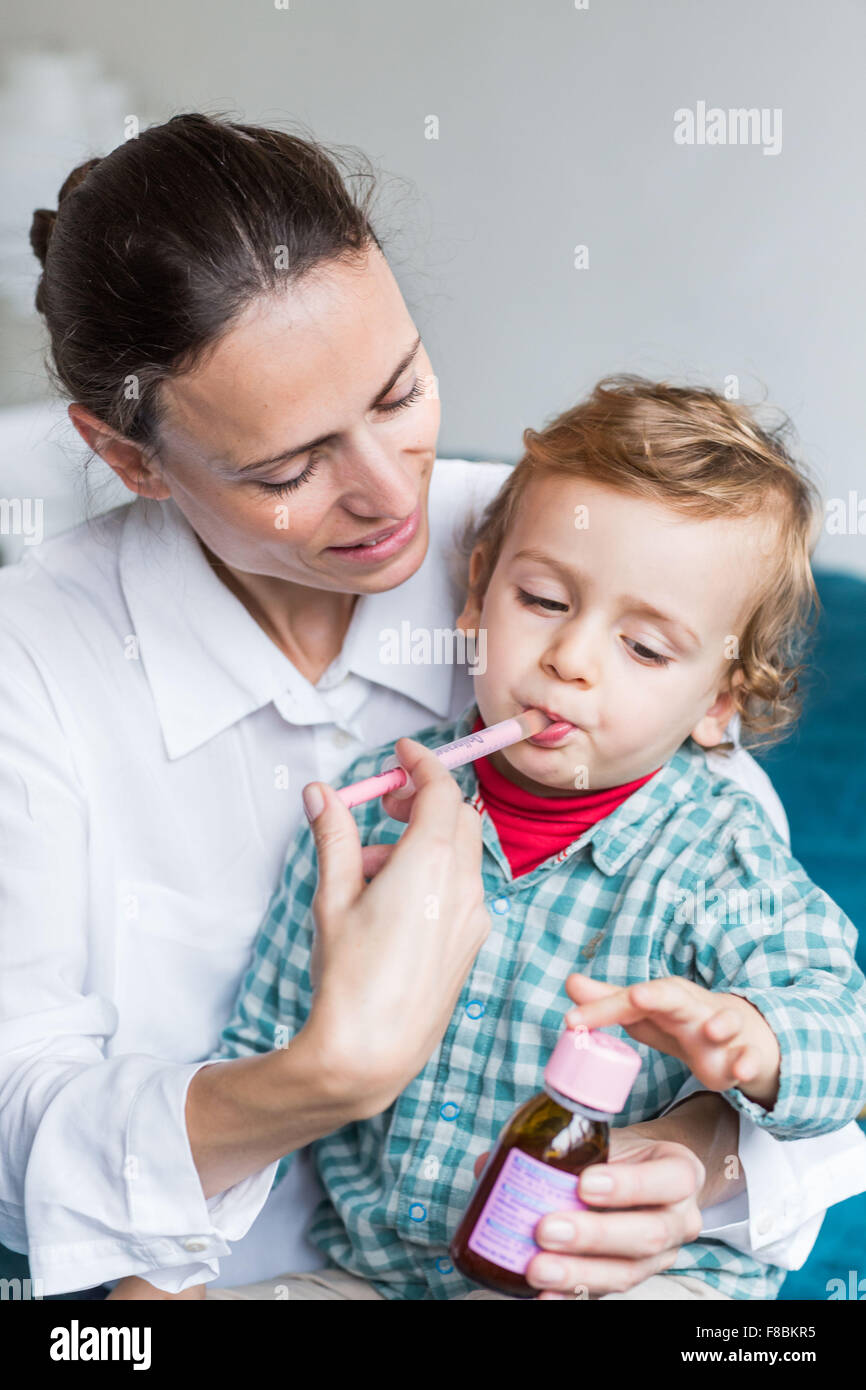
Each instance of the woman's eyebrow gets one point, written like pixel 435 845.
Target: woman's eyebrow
pixel 634 605
pixel 323 439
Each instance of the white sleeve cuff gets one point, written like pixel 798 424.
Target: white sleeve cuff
pixel 150 1212
pixel 790 1185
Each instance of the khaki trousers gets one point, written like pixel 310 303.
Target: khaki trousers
pixel 339 1284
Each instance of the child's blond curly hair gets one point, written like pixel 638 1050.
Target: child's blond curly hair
pixel 697 453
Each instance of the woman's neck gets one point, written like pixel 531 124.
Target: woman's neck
pixel 308 625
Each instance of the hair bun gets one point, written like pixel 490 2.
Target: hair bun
pixel 78 175
pixel 43 218
pixel 40 232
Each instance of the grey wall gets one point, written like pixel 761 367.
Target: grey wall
pixel 557 129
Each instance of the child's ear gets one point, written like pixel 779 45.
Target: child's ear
pixel 470 618
pixel 711 729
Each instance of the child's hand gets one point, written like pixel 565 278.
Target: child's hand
pixel 723 1039
pixel 139 1289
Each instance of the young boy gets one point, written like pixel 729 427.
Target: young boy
pixel 642 577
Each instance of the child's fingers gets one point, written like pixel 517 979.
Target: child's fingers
pixel 746 1064
pixel 582 989
pixel 723 1027
pixel 665 1001
pixel 601 1013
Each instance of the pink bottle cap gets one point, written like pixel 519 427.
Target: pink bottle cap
pixel 594 1068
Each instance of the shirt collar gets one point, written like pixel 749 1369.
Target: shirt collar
pixel 616 838
pixel 208 662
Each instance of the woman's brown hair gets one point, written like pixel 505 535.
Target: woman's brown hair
pixel 157 247
pixel 698 453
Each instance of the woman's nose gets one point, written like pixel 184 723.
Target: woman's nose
pixel 379 480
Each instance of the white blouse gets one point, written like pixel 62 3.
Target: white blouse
pixel 153 745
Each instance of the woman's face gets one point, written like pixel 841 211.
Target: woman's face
pixel 309 428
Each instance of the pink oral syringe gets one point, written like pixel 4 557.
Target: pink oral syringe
pixel 456 754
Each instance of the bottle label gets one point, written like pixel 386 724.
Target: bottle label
pixel 524 1191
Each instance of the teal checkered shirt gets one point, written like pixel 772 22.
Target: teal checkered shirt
pixel 686 877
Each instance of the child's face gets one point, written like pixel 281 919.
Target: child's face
pixel 599 560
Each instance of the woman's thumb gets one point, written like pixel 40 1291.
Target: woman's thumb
pixel 338 846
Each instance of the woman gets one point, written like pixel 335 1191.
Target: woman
pixel 236 349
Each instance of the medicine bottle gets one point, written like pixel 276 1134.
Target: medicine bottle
pixel 544 1146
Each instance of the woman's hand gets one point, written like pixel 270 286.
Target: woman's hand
pixel 649 1210
pixel 134 1288
pixel 660 1174
pixel 391 956
pixel 389 960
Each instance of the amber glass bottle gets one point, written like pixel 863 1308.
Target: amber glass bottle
pixel 547 1142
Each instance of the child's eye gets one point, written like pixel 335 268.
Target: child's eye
pixel 646 654
pixel 532 600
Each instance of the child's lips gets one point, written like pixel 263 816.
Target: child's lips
pixel 554 733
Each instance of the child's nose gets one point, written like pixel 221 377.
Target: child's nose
pixel 576 655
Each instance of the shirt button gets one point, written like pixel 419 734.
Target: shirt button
pixel 341 738
pixel 475 1008
pixel 193 1246
pixel 500 905
pixel 443 1265
pixel 417 1212
pixel 449 1111
pixel 765 1223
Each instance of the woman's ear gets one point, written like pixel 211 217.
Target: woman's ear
pixel 128 460
pixel 710 730
pixel 470 618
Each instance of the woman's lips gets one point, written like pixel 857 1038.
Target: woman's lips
pixel 393 541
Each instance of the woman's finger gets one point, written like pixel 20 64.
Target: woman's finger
pixel 636 1234
pixel 592 1277
pixel 437 800
pixel 338 849
pixel 653 1182
pixel 374 858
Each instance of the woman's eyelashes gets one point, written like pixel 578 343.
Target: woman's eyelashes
pixel 414 395
pixel 389 408
pixel 280 489
pixel 643 653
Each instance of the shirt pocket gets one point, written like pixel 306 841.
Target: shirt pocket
pixel 180 961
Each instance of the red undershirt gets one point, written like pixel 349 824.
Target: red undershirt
pixel 530 827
